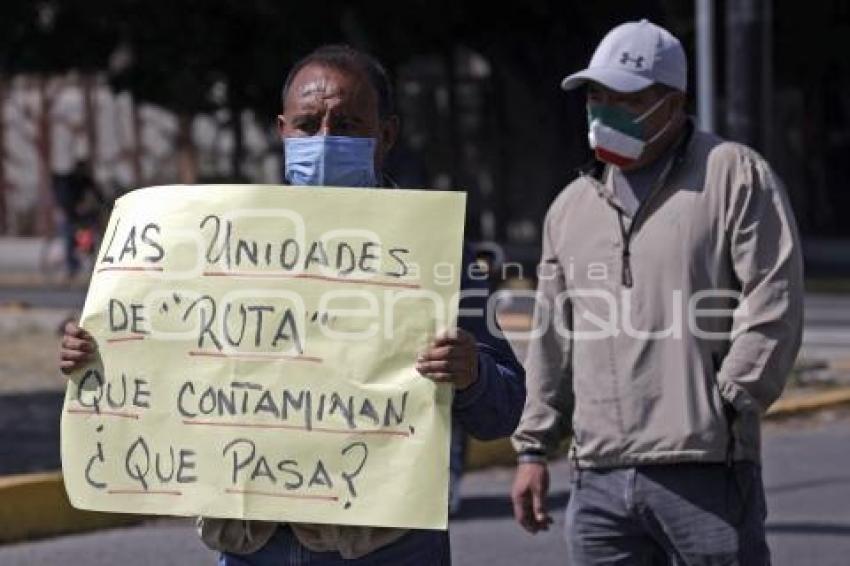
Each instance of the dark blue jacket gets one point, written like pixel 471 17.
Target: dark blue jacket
pixel 491 407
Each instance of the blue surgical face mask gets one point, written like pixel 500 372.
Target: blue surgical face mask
pixel 332 161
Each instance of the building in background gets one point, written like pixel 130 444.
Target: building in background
pixel 477 90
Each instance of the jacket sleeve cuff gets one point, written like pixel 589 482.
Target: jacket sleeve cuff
pixel 739 398
pixel 531 456
pixel 466 397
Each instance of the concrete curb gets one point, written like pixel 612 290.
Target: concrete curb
pixel 794 406
pixel 36 505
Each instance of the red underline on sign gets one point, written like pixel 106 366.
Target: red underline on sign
pixel 104 413
pixel 283 275
pixel 128 268
pixel 325 430
pixel 126 338
pixel 284 495
pixel 142 492
pixel 256 356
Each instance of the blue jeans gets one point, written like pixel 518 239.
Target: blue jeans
pixel 457 457
pixel 68 230
pixel 672 514
pixel 416 548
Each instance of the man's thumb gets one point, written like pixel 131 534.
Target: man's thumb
pixel 539 505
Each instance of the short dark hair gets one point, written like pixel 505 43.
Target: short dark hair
pixel 347 58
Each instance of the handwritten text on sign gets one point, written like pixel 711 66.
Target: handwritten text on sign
pixel 256 350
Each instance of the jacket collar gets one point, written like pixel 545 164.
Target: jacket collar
pixel 596 168
pixel 599 173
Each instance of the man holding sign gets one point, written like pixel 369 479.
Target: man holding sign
pixel 337 126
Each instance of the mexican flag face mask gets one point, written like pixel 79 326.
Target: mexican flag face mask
pixel 617 135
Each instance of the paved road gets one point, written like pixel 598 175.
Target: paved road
pixel 827 330
pixel 826 335
pixel 807 475
pixel 44 297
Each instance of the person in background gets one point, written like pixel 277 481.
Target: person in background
pixel 80 202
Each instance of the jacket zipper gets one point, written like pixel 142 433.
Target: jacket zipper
pixel 660 182
pixel 628 279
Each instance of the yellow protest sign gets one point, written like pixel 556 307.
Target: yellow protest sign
pixel 256 351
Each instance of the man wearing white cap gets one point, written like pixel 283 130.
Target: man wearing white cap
pixel 669 313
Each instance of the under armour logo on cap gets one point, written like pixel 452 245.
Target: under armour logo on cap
pixel 633 56
pixel 626 58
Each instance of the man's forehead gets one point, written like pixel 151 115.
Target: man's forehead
pixel 318 86
pixel 318 82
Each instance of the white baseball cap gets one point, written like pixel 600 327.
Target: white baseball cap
pixel 634 56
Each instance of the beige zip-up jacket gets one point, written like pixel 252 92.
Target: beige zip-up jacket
pixel 664 337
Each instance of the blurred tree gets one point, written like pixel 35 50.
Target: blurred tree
pixel 204 55
pixel 529 48
pixel 164 58
pixel 36 40
pixel 252 62
pixel 226 57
